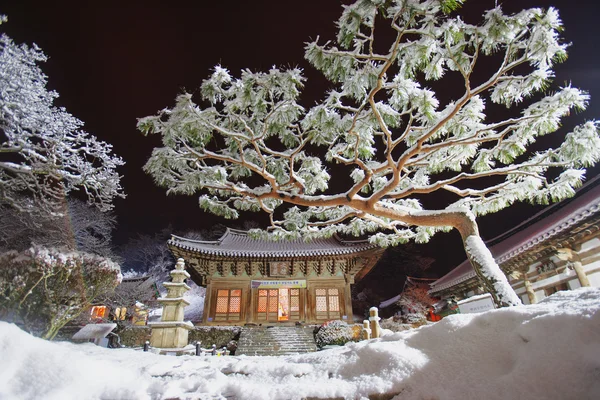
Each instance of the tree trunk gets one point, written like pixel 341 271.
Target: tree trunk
pixel 486 268
pixel 489 273
pixel 57 323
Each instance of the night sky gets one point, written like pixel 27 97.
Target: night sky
pixel 113 62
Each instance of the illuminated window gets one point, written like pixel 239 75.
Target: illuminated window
pixel 327 303
pixel 278 305
pixel 294 302
pixel 120 313
pixel 274 295
pixel 98 312
pixel 228 305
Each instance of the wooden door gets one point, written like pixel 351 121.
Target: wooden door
pixel 278 305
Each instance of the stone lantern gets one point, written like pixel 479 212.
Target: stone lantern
pixel 171 332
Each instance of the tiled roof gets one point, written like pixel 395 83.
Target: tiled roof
pixel 236 243
pixel 550 222
pixel 458 275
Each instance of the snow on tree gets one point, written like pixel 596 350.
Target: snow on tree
pixel 253 146
pixel 415 301
pixel 149 255
pixel 44 153
pixel 81 227
pixel 45 288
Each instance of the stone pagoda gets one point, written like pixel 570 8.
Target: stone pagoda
pixel 171 333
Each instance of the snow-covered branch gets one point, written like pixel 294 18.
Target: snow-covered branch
pixel 44 154
pixel 355 162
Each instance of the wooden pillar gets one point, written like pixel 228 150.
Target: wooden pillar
pixel 574 259
pixel 529 289
pixel 366 331
pixel 348 299
pixel 521 273
pixel 207 301
pixel 374 322
pixel 250 298
pixel 581 275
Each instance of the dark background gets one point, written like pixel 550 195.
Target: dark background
pixel 113 62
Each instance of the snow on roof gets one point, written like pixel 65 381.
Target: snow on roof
pixel 237 243
pixel 391 301
pixel 543 226
pixel 94 331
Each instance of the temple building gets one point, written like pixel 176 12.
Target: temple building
pixel 252 281
pixel 556 249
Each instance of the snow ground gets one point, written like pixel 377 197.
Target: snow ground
pixel 550 350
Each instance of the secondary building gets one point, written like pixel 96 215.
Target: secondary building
pixel 252 281
pixel 556 249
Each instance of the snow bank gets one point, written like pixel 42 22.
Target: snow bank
pixel 549 350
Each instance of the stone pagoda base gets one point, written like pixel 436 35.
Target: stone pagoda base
pixel 170 335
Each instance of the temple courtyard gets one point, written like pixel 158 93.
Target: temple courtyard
pixel 549 350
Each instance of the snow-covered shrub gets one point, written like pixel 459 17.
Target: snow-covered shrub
pixel 413 318
pixel 45 288
pixel 333 332
pixel 394 325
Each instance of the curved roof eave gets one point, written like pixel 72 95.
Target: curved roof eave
pixel 237 243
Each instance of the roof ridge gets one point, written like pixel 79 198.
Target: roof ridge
pixel 176 237
pixel 546 212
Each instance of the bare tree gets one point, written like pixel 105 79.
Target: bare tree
pixel 76 226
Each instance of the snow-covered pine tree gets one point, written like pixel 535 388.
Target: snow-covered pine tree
pixel 44 154
pixel 254 147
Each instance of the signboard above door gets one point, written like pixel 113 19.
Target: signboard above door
pixel 294 284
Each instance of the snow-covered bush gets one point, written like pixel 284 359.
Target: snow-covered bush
pixel 44 288
pixel 333 332
pixel 394 325
pixel 413 318
pixel 415 303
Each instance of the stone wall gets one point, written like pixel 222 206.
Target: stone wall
pixel 136 336
pixel 217 335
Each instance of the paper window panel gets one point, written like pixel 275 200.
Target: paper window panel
pixel 273 304
pixel 222 305
pixel 321 305
pixel 262 304
pixel 234 305
pixel 334 303
pixel 295 303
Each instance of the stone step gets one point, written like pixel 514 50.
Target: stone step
pixel 276 340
